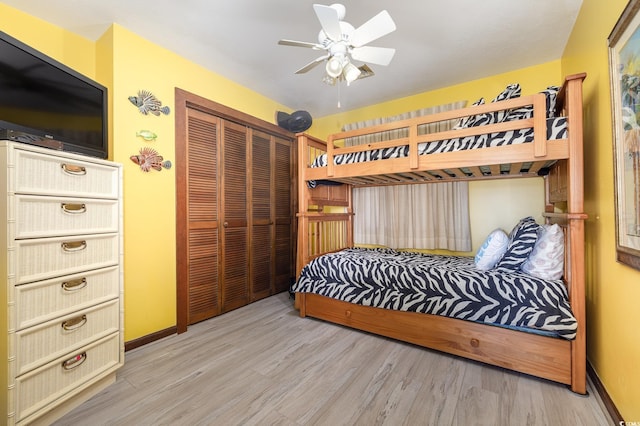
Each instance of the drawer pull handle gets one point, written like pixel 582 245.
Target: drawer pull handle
pixel 74 323
pixel 73 208
pixel 71 246
pixel 74 285
pixel 75 361
pixel 72 169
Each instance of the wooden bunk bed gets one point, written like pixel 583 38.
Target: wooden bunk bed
pixel 323 230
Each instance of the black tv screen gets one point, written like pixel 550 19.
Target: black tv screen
pixel 46 103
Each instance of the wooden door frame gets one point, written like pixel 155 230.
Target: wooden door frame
pixel 183 101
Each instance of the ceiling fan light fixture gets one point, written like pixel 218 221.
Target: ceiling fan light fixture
pixel 334 66
pixel 351 73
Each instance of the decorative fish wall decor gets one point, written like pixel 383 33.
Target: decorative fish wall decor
pixel 147 103
pixel 147 135
pixel 150 159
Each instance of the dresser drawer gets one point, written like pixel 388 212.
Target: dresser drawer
pixel 42 301
pixel 42 343
pixel 66 375
pixel 43 258
pixel 49 174
pixel 40 216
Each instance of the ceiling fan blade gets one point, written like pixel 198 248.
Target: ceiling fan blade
pixel 376 27
pixel 329 20
pixel 365 71
pixel 374 55
pixel 312 64
pixel 300 44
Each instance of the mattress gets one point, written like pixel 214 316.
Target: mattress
pixel 556 129
pixel 441 285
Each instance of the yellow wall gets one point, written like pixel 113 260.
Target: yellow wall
pixel 613 289
pixel 149 229
pixel 72 50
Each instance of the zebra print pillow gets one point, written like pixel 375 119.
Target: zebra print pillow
pixel 525 112
pixel 468 121
pixel 551 94
pixel 522 239
pixel 510 92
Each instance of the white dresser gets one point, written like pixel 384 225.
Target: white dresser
pixel 63 316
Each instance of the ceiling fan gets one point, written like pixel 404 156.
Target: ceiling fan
pixel 343 43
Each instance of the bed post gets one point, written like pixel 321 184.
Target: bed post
pixel 303 205
pixel 351 214
pixel 319 232
pixel 576 218
pixel 302 219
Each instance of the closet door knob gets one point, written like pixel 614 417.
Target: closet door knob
pixel 225 224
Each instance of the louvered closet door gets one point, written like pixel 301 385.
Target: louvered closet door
pixel 202 215
pixel 235 227
pixel 284 263
pixel 262 248
pixel 234 233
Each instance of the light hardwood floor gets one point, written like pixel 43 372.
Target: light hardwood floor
pixel 264 365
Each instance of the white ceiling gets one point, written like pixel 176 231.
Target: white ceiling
pixel 438 42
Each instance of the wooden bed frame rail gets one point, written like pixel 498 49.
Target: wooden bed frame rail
pixel 445 166
pixel 325 223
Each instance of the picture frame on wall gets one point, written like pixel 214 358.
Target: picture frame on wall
pixel 624 68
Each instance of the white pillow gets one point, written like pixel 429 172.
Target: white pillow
pixel 492 250
pixel 546 261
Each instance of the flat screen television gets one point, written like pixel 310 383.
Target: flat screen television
pixel 45 103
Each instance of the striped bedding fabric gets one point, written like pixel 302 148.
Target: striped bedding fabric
pixel 556 129
pixel 442 285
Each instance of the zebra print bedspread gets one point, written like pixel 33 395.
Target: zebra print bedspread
pixel 556 129
pixel 441 285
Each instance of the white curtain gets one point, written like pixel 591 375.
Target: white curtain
pixel 424 216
